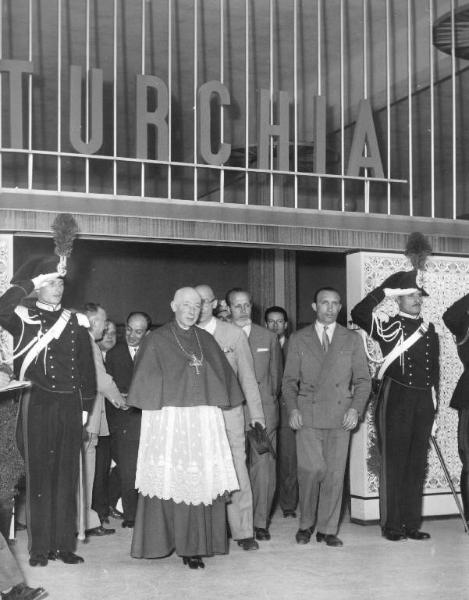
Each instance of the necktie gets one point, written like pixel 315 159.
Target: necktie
pixel 325 339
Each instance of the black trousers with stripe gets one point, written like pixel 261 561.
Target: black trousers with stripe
pixel 404 419
pixel 49 437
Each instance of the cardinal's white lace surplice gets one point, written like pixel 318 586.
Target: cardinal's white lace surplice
pixel 184 455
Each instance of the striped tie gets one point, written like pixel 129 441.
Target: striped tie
pixel 325 339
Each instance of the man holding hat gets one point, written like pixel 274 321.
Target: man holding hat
pixel 406 401
pixel 52 350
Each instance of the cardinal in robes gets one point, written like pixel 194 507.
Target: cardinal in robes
pixel 182 382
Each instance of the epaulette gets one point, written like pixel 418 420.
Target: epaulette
pixel 83 320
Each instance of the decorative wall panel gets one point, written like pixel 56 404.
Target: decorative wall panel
pixel 6 272
pixel 446 279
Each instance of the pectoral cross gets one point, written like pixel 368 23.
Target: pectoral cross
pixel 196 363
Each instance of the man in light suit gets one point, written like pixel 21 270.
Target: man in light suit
pixel 326 385
pixel 96 425
pixel 267 357
pixel 235 345
pixel 124 425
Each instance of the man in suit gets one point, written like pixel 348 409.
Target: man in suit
pixel 276 319
pixel 124 425
pixel 267 357
pixel 101 503
pixel 235 345
pixel 326 385
pixel 96 425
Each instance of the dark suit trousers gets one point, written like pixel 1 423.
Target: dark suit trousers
pixel 463 449
pixel 404 418
pixel 322 457
pixel 287 477
pixel 101 500
pixel 51 432
pixel 124 452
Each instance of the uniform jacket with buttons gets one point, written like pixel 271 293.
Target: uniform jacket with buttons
pixel 456 319
pixel 419 365
pixel 66 365
pixel 324 385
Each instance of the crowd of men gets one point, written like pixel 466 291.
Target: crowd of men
pixel 197 425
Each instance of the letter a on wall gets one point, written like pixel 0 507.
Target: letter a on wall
pixel 364 138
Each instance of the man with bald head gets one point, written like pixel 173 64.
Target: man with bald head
pixel 235 345
pixel 182 382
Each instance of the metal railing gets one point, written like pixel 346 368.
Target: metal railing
pixel 327 57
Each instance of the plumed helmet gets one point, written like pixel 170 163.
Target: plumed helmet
pixel 404 280
pixel 34 266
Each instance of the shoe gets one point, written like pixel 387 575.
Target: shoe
pixel 193 562
pixel 416 534
pixel 304 535
pixel 289 513
pixel 40 560
pixel 262 534
pixel 129 524
pixel 99 531
pixel 248 544
pixel 393 535
pixel 24 592
pixel 114 513
pixel 68 558
pixel 331 540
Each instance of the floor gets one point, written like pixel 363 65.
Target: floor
pixel 367 567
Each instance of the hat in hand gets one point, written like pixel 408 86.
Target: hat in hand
pixel 404 280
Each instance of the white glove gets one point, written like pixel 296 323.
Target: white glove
pixel 84 417
pixel 44 279
pixel 434 398
pixel 4 379
pixel 434 428
pixel 391 292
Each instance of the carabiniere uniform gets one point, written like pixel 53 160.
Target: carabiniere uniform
pixel 50 419
pixel 404 412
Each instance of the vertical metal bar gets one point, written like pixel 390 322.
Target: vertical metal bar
pixel 196 62
pixel 59 95
pixel 366 183
pixel 432 110
pixel 453 107
pixel 319 42
pixel 222 79
pixel 1 94
pixel 170 93
pixel 342 104
pixel 409 92
pixel 142 68
pixel 114 99
pixel 246 91
pixel 87 95
pixel 271 90
pixel 295 95
pixel 30 97
pixel 388 105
